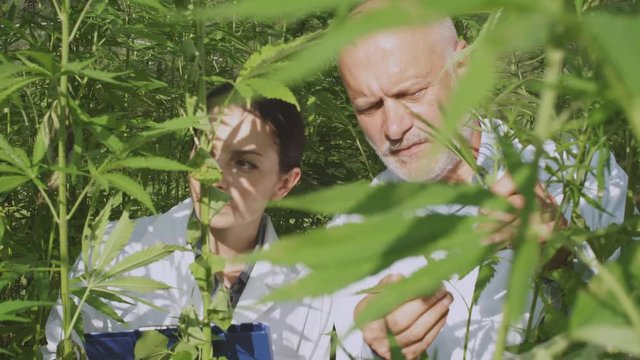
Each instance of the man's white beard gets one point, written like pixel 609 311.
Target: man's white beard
pixel 424 170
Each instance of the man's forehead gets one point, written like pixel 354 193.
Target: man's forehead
pixel 369 5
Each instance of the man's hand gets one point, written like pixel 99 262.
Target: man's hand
pixel 543 221
pixel 415 324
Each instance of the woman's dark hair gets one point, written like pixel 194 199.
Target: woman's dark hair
pixel 284 118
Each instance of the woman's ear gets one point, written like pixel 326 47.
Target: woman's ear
pixel 287 182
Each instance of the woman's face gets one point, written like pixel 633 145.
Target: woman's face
pixel 245 148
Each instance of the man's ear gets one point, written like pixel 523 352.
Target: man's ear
pixel 287 182
pixel 461 58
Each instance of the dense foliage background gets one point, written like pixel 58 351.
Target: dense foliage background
pixel 87 89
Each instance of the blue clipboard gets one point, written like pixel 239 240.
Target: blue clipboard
pixel 248 341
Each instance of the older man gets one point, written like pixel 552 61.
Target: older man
pixel 397 79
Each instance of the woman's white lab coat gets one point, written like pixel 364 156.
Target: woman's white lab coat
pixel 299 330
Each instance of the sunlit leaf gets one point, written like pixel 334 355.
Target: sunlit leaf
pixel 96 237
pixel 361 198
pixel 141 258
pixel 353 251
pixel 98 304
pixel 116 241
pixel 177 124
pixel 129 186
pixel 138 284
pixel 610 40
pixel 423 282
pixel 620 338
pixel 152 345
pixel 273 90
pixel 41 144
pixel 524 263
pixel 486 272
pixel 150 162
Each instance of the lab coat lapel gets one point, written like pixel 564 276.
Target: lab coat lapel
pixel 282 317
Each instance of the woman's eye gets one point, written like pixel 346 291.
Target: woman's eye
pixel 245 164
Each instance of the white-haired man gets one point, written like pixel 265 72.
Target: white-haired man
pixel 391 77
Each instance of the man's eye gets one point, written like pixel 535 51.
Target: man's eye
pixel 415 94
pixel 369 109
pixel 245 165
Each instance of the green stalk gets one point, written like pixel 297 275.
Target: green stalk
pixel 205 193
pixel 201 63
pixel 545 119
pixel 206 249
pixel 62 186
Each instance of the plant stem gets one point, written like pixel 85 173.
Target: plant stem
pixel 545 125
pixel 205 192
pixel 201 62
pixel 62 186
pixel 206 249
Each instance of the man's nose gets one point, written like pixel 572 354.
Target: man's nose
pixel 398 120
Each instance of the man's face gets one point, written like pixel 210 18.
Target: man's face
pixel 392 75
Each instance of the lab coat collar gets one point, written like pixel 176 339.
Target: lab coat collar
pixel 265 277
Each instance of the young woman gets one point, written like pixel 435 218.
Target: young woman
pixel 259 150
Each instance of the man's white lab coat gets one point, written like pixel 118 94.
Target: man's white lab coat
pixel 486 316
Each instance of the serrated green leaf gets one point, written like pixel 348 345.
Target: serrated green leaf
pixel 218 79
pixel 423 282
pixel 341 255
pixel 8 169
pixel 201 272
pixel 620 338
pixel 2 230
pixel 97 303
pixel 116 241
pixel 150 3
pixel 129 186
pixel 181 123
pixel 152 345
pixel 520 280
pixel 96 237
pixel 8 69
pixel 138 284
pixel 76 67
pixel 269 9
pixel 8 183
pixel 609 34
pixel 184 354
pixel 46 59
pixel 272 89
pixel 106 137
pixel 14 84
pixel 41 144
pixel 11 307
pixel 486 272
pixel 361 198
pixel 12 155
pixel 103 76
pixel 141 258
pixel 150 162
